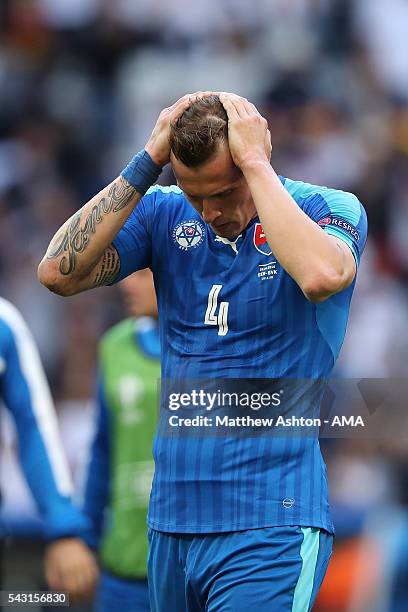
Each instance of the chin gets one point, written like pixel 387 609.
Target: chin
pixel 231 235
pixel 229 231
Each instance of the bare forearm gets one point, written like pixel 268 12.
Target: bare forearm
pixel 309 255
pixel 79 255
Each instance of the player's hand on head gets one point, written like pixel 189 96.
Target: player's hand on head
pixel 158 144
pixel 249 138
pixel 71 566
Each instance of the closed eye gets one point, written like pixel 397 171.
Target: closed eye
pixel 224 194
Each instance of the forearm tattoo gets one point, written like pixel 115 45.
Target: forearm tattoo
pixel 75 238
pixel 110 265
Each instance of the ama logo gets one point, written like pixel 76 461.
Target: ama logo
pixel 260 242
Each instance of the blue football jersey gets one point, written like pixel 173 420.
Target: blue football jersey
pixel 228 309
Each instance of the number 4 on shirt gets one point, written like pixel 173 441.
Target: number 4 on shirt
pixel 220 319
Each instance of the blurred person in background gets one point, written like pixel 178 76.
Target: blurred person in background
pixel 24 391
pixel 121 464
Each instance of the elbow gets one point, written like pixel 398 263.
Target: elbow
pixel 49 275
pixel 320 287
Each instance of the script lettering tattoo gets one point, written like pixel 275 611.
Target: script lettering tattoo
pixel 109 268
pixel 75 238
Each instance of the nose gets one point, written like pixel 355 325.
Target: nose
pixel 210 212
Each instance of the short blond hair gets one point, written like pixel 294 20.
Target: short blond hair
pixel 195 136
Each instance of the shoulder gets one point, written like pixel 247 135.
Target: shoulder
pixel 160 203
pixel 165 207
pixel 162 191
pixel 300 190
pixel 159 194
pixel 315 199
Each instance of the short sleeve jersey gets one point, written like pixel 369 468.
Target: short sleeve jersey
pixel 227 309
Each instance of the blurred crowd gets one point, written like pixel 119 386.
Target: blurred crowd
pixel 82 82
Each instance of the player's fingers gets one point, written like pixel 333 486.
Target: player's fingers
pixel 180 106
pixel 183 104
pixel 177 112
pixel 253 111
pixel 242 105
pixel 180 101
pixel 228 104
pixel 252 108
pixel 245 107
pixel 201 94
pixel 223 93
pixel 190 98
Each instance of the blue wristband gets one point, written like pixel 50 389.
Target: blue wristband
pixel 141 172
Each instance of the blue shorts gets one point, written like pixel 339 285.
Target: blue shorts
pixel 275 568
pixel 117 595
